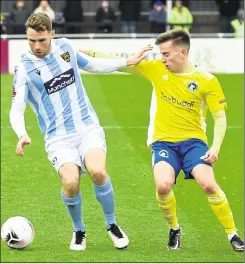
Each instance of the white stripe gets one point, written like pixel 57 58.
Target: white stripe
pixel 9 127
pixel 234 127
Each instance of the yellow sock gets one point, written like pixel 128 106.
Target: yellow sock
pixel 222 210
pixel 167 204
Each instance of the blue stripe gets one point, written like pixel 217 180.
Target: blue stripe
pixel 82 62
pixel 64 95
pixel 40 119
pixel 85 117
pixel 38 83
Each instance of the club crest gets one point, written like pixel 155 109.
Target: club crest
pixel 163 153
pixel 66 56
pixel 192 86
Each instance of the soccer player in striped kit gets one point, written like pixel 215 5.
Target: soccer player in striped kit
pixel 48 79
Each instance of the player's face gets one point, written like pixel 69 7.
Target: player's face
pixel 172 55
pixel 40 42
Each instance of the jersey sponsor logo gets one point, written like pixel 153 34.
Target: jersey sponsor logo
pixel 66 56
pixel 192 86
pixel 173 100
pixel 13 91
pixel 60 82
pixel 223 101
pixel 163 153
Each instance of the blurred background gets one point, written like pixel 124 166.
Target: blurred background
pixel 123 16
pixel 123 26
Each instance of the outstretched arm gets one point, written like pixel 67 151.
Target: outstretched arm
pixel 99 54
pixel 109 64
pixel 219 133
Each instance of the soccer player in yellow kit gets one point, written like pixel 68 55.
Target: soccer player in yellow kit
pixel 181 95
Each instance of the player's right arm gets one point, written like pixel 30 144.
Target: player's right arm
pixel 16 115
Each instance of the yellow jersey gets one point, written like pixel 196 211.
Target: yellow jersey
pixel 180 101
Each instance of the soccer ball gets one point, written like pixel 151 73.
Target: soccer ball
pixel 17 232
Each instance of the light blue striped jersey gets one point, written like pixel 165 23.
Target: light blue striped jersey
pixel 53 87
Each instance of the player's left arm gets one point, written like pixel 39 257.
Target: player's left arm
pixel 99 54
pixel 145 68
pixel 220 125
pixel 101 65
pixel 217 104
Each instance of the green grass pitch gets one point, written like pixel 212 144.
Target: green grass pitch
pixel 30 187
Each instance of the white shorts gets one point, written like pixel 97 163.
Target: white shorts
pixel 73 147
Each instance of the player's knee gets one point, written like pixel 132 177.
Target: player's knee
pixel 71 187
pixel 163 188
pixel 98 175
pixel 210 187
pixel 69 173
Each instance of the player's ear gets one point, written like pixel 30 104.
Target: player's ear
pixel 52 33
pixel 184 53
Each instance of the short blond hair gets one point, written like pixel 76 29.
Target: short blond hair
pixel 40 22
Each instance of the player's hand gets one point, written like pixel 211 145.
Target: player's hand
pixel 211 156
pixel 138 57
pixel 23 141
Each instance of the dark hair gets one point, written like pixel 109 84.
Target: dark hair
pixel 178 36
pixel 40 22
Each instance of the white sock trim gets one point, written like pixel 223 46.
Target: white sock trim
pixel 230 236
pixel 176 227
